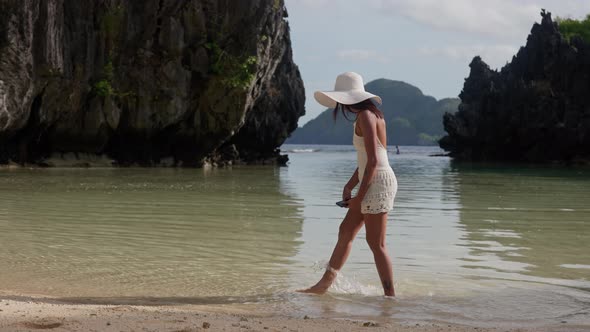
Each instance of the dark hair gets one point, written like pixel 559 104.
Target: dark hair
pixel 366 104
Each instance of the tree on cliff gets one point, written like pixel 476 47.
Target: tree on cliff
pixel 571 27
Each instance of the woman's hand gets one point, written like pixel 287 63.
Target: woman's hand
pixel 354 203
pixel 346 193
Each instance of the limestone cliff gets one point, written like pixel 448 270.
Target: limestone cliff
pixel 146 82
pixel 536 109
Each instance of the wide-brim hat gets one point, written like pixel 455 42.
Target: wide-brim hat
pixel 349 89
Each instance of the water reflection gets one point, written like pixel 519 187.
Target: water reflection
pixel 526 223
pixel 146 232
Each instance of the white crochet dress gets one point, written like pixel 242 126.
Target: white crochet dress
pixel 383 187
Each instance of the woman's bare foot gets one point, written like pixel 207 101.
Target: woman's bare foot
pixel 322 286
pixel 315 289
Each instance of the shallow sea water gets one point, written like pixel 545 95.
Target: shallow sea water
pixel 474 244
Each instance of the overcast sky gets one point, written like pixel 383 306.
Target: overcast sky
pixel 427 43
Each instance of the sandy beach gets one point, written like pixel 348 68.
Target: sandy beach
pixel 32 314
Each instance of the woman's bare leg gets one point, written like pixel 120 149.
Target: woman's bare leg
pixel 376 225
pixel 349 227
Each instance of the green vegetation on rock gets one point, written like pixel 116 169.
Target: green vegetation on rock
pixel 103 88
pixel 570 27
pixel 112 20
pixel 108 71
pixel 111 24
pixel 235 71
pixel 216 56
pixel 242 73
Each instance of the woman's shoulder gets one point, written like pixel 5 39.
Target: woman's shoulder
pixel 366 115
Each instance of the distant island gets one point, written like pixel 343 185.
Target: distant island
pixel 412 118
pixel 536 108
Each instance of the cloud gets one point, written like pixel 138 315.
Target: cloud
pixel 362 55
pixel 494 55
pixel 490 17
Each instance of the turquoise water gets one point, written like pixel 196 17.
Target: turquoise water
pixel 474 244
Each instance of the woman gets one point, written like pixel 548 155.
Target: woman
pixel 378 184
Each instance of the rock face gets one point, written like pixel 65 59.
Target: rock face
pixel 270 127
pixel 536 109
pixel 146 82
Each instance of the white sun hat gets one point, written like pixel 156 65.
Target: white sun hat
pixel 349 89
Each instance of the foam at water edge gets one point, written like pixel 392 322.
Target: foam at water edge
pixel 350 285
pixel 302 150
pixel 347 284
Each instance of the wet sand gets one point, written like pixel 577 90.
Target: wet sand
pixel 33 314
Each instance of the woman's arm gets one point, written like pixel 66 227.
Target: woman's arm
pixel 368 124
pixel 352 182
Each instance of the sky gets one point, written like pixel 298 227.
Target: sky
pixel 427 43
